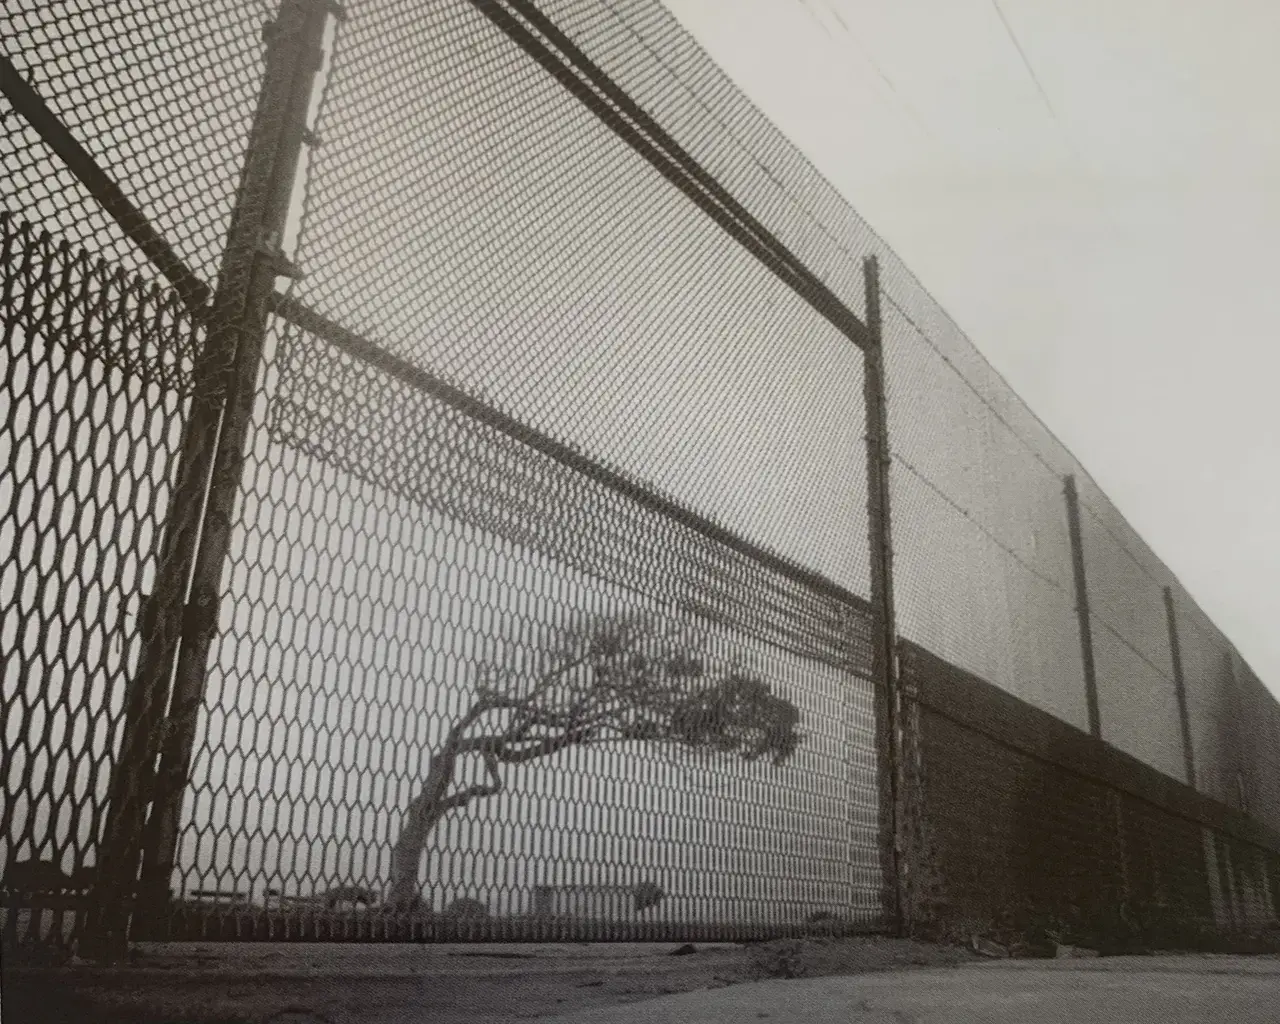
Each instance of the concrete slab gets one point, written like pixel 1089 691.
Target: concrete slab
pixel 1120 990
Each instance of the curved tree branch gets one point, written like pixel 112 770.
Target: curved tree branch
pixel 545 747
pixel 464 796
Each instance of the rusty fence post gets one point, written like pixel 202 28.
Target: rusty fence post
pixel 180 614
pixel 884 665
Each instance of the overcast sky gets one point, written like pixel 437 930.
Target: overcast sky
pixel 1104 231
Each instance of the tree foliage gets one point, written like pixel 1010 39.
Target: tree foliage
pixel 646 895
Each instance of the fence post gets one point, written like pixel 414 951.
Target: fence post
pixel 254 260
pixel 884 646
pixel 1180 686
pixel 1242 759
pixel 180 615
pixel 1082 604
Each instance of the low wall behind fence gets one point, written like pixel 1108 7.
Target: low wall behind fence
pixel 1019 821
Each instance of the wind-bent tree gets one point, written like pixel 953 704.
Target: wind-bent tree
pixel 615 680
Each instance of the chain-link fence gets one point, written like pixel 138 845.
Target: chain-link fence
pixel 527 423
pixel 530 588
pixel 991 574
pixel 438 491
pixel 96 367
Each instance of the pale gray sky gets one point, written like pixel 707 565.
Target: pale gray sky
pixel 1107 243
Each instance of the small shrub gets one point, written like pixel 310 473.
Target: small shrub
pixel 467 908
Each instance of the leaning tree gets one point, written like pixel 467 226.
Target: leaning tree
pixel 628 680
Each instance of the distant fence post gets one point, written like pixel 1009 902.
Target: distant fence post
pixel 1082 604
pixel 1242 757
pixel 1180 686
pixel 180 615
pixel 884 664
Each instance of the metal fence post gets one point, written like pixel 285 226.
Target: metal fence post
pixel 1242 758
pixel 884 665
pixel 296 39
pixel 1082 604
pixel 1180 686
pixel 207 481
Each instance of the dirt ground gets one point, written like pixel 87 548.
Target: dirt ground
pixel 459 984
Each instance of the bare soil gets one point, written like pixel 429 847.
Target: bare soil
pixel 243 983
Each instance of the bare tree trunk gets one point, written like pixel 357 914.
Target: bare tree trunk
pixel 421 816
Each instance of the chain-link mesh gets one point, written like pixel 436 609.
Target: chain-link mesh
pixel 413 557
pixel 984 570
pixel 96 369
pixel 93 328
pixel 543 606
pixel 1207 659
pixel 1259 774
pixel 674 354
pixel 160 93
pixel 1137 694
pixel 524 415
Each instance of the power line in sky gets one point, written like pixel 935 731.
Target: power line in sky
pixel 869 60
pixel 1086 175
pixel 1081 165
pixel 1026 61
